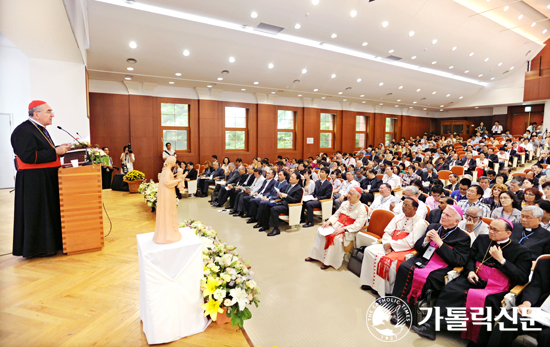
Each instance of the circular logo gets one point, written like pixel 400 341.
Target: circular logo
pixel 379 319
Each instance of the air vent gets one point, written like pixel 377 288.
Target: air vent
pixel 392 58
pixel 526 54
pixel 225 72
pixel 389 94
pixel 506 72
pixel 348 88
pixel 295 81
pixel 131 61
pixel 269 29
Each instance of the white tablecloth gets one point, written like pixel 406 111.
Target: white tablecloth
pixel 169 287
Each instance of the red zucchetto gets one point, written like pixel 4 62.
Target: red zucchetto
pixel 35 103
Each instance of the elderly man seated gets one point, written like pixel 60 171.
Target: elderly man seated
pixel 530 233
pixel 330 248
pixel 340 194
pixel 381 261
pixel 411 191
pixel 385 201
pixel 495 265
pixel 473 223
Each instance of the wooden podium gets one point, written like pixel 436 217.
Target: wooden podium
pixel 81 205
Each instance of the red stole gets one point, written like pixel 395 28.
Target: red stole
pixel 345 221
pixel 383 268
pixel 497 282
pixel 24 166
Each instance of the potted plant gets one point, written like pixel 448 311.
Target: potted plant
pixel 134 179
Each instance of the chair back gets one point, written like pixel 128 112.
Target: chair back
pixel 378 221
pixel 522 174
pixel 487 220
pixel 459 170
pixel 444 175
pixel 380 176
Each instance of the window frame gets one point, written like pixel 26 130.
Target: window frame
pixel 245 129
pixel 333 131
pixel 394 132
pixel 292 131
pixel 365 132
pixel 176 127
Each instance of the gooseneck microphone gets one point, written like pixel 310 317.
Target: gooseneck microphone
pixel 87 154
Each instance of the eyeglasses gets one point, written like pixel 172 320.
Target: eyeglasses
pixel 469 216
pixel 529 194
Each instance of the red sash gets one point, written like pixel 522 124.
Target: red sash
pixel 383 268
pixel 24 166
pixel 345 221
pixel 497 282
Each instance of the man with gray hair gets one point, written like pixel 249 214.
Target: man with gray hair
pixel 232 177
pixel 530 233
pixel 412 192
pixel 473 223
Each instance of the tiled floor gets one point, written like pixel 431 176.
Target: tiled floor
pixel 301 305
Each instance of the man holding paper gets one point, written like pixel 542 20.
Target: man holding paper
pixel 337 235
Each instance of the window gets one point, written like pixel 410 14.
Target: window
pixel 285 122
pixel 235 128
pixel 327 130
pixel 391 125
pixel 360 131
pixel 175 125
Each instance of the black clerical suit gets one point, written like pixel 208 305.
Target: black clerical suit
pixel 536 292
pixel 517 268
pixel 537 240
pixel 322 191
pixel 375 183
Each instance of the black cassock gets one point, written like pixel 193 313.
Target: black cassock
pixel 37 220
pixel 517 268
pixel 537 240
pixel 460 242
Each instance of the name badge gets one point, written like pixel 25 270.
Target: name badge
pixel 429 253
pixel 368 187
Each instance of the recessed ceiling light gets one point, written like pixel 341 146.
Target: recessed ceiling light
pixel 364 102
pixel 492 78
pixel 418 90
pixel 178 73
pixel 413 57
pixel 434 92
pixel 209 86
pixel 366 43
pixel 130 68
pixel 381 104
pixel 392 50
pixel 385 24
pixel 359 80
pixel 333 75
pixel 270 65
pixel 299 94
pixel 512 68
pixel 466 71
pixel 254 14
pixel 480 75
pixel 171 82
pixel 434 41
pixel 434 62
pixel 441 105
pixel 396 105
pixel 471 54
pixel 520 17
pixel 128 78
pixel 424 109
pixel 304 70
pixel 400 87
pixel 231 59
pixel 499 64
pixel 461 97
pixel 186 52
pixel 353 13
pixel 486 59
pixel 398 100
pixel 243 89
pixel 315 2
pixel 450 67
pixel 323 97
pixel 297 26
pixel 333 36
pixel 340 93
pixel 410 107
pixel 381 84
pixel 441 110
pixel 220 78
pixel 315 90
pixel 272 92
pixel 454 48
pixel 362 95
pixel 345 99
pixel 545 30
pixel 414 102
pixel 506 8
pixel 411 33
pixel 133 44
pixel 256 82
pixel 476 107
pixel 534 23
pixel 448 95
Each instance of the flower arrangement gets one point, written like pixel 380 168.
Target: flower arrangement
pixel 149 192
pixel 98 156
pixel 134 175
pixel 227 283
pixel 82 144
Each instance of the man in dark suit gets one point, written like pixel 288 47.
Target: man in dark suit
pixel 369 185
pixel 469 163
pixel 205 182
pixel 429 175
pixel 534 295
pixel 323 190
pixel 267 189
pixel 530 233
pixel 543 157
pixel 245 180
pixel 232 181
pixel 258 206
pixel 293 195
pixel 453 182
pixel 232 177
pixel 492 157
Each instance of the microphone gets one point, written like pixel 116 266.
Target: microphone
pixel 87 154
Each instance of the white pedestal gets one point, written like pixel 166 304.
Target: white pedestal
pixel 169 287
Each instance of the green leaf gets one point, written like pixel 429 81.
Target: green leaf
pixel 247 314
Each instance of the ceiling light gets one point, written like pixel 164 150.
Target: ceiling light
pixel 345 99
pixel 476 107
pixel 340 93
pixel 400 87
pixel 231 59
pixel 506 8
pixel 450 67
pixel 209 86
pixel 381 84
pixel 243 89
pixel 434 41
pixel 545 30
pixel 434 62
pixel 418 90
pixel 133 44
pixel 480 75
pixel 130 68
pixel 128 78
pixel 315 90
pixel 512 68
pixel 499 64
pixel 178 73
pixel 441 110
pixel 391 51
pixel 385 24
pixel 448 95
pixel 256 82
pixel 297 26
pixel 398 100
pixel 411 33
pixel 396 105
pixel 254 14
pixel 333 75
pixel 272 92
pixel 441 105
pixel 424 109
pixel 454 48
pixel 186 52
pixel 366 43
pixel 353 13
pixel 471 54
pixel 359 80
pixel 304 70
pixel 299 94
pixel 323 97
pixel 315 2
pixel 414 102
pixel 520 17
pixel 461 97
pixel 413 57
pixel 434 92
pixel 410 107
pixel 362 95
pixel 466 71
pixel 220 78
pixel 381 104
pixel 270 65
pixel 492 78
pixel 333 36
pixel 171 82
pixel 534 23
pixel 486 60
pixel 364 102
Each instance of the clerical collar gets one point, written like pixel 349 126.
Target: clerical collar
pixel 501 242
pixel 35 122
pixel 528 229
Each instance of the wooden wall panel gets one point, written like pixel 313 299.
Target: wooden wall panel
pixel 312 122
pixel 210 130
pixel 414 126
pixel 348 131
pixel 144 135
pixel 545 55
pixel 267 131
pixel 379 127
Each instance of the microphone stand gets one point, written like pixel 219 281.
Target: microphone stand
pixel 80 143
